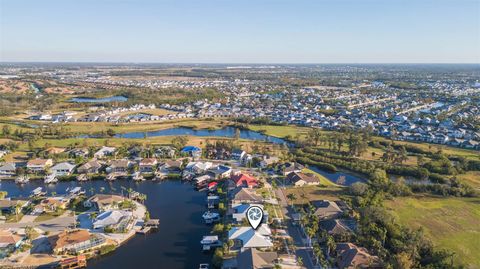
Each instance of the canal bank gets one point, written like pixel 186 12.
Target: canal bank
pixel 179 208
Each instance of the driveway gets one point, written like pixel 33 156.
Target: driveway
pixel 302 250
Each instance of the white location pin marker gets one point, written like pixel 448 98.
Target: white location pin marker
pixel 255 216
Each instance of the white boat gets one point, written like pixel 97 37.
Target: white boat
pixel 210 241
pixel 211 217
pixel 52 178
pixel 37 192
pixel 22 179
pixel 137 176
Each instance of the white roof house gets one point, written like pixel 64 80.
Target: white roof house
pixel 112 217
pixel 64 168
pixel 251 238
pixel 104 151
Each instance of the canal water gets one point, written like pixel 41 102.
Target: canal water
pixel 178 206
pixel 224 132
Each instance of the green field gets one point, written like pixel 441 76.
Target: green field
pixel 451 223
pixel 280 131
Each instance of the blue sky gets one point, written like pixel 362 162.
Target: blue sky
pixel 241 31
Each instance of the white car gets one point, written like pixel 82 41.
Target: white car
pixel 203 266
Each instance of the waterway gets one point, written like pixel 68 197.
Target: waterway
pixel 178 206
pixel 99 100
pixel 224 132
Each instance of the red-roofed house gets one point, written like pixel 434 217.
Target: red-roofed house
pixel 244 180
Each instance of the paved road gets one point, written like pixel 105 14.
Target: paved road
pixel 299 240
pixel 53 225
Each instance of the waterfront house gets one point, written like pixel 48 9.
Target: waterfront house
pixel 9 242
pixel 350 256
pixel 115 219
pixel 244 180
pixel 8 169
pixel 75 242
pixel 247 237
pixel 39 165
pixel 147 165
pixel 103 202
pixel 220 171
pixel 238 211
pixel 245 195
pixel 119 167
pixel 299 179
pixel 91 167
pixel 326 209
pixel 171 166
pixel 104 152
pixel 165 152
pixel 63 169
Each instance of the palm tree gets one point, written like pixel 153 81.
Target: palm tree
pixel 292 197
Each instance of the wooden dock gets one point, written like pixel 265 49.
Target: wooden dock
pixel 73 263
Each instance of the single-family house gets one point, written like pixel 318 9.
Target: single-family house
pixel 90 167
pixel 245 195
pixel 9 242
pixel 290 167
pixel 350 256
pixel 119 166
pixel 51 204
pixel 63 169
pixel 254 259
pixel 239 211
pixel 326 209
pixel 238 154
pixel 8 169
pixel 299 179
pixel 103 202
pixel 244 180
pixel 113 219
pixel 104 152
pixel 247 237
pixel 75 242
pixel 147 165
pixel 192 151
pixel 39 165
pixel 220 171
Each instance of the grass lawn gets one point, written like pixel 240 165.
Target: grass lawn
pixel 312 193
pixel 451 223
pixel 280 131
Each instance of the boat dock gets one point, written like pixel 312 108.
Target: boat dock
pixel 149 225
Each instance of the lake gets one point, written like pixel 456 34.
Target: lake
pixel 99 100
pixel 179 208
pixel 224 132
